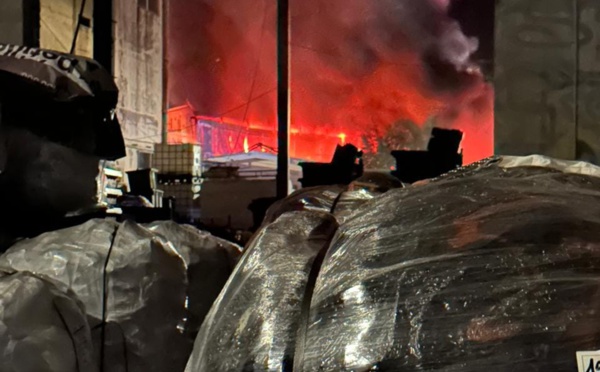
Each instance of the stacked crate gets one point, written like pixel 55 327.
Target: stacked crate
pixel 110 184
pixel 180 172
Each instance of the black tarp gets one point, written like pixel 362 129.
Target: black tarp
pixel 63 98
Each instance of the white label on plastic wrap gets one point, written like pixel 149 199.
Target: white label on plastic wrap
pixel 588 361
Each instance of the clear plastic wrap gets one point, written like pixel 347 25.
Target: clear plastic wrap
pixel 340 200
pixel 370 185
pixel 349 202
pixel 126 275
pixel 574 167
pixel 210 261
pixel 253 324
pixel 492 268
pixel 318 198
pixel 42 328
pixel 376 181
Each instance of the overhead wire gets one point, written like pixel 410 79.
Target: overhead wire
pixel 255 74
pixel 220 115
pixel 78 27
pixel 251 97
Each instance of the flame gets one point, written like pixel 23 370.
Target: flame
pixel 342 138
pixel 357 68
pixel 246 145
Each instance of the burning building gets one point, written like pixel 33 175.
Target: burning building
pixel 358 69
pixel 226 136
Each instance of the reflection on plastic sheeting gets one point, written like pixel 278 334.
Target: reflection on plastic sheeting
pixel 42 328
pixel 134 284
pixel 253 324
pixel 492 267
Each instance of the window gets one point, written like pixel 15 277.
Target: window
pixel 144 160
pixel 153 6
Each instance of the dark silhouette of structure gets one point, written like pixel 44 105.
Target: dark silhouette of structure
pixel 345 167
pixel 443 155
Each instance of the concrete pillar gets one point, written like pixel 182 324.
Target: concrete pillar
pixel 535 78
pixel 588 87
pixel 547 79
pixel 19 22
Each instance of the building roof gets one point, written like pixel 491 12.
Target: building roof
pixel 186 106
pixel 254 164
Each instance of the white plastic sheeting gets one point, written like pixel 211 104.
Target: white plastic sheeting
pixel 42 328
pixel 210 261
pixel 134 284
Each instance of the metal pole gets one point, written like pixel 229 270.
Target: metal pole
pixel 165 19
pixel 577 16
pixel 283 98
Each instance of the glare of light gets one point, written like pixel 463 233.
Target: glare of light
pixel 342 137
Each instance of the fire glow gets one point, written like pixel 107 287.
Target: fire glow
pixel 358 68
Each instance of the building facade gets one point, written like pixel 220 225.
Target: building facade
pixel 138 68
pixel 137 64
pixel 226 136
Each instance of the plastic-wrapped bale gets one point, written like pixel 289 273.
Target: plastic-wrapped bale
pixel 376 181
pixel 331 199
pixel 493 268
pixel 368 186
pixel 42 328
pixel 253 324
pixel 133 284
pixel 349 202
pixel 340 200
pixel 210 261
pixel 318 198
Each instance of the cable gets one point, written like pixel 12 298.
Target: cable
pixel 577 73
pixel 105 298
pixel 74 43
pixel 256 98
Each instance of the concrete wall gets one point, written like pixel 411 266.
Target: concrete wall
pixel 139 74
pixel 588 104
pixel 58 20
pixel 547 80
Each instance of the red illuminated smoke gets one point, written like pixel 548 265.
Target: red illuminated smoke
pixel 358 66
